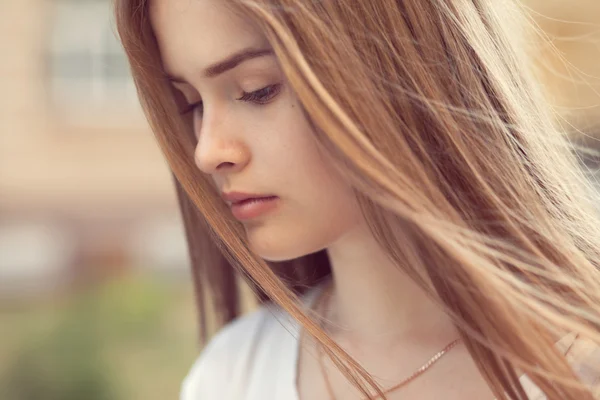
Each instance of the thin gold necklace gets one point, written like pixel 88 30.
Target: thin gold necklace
pixel 321 305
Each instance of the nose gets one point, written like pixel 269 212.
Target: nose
pixel 219 149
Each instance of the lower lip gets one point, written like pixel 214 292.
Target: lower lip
pixel 253 208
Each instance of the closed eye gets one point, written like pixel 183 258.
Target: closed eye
pixel 190 107
pixel 262 96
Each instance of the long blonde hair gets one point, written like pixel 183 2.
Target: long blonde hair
pixel 431 111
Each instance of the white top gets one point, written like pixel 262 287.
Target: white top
pixel 255 358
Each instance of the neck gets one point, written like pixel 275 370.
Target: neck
pixel 373 300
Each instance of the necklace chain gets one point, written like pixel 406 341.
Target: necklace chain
pixel 413 376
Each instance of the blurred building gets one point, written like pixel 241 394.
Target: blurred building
pixel 83 187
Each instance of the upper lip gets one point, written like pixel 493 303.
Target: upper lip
pixel 237 197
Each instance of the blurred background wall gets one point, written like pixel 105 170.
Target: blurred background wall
pixel 95 293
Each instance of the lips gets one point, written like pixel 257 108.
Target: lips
pixel 237 197
pixel 250 199
pixel 254 207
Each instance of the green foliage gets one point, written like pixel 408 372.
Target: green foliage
pixel 71 362
pixel 65 365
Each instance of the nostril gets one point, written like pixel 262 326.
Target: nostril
pixel 225 164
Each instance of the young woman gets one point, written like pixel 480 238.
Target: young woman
pixel 386 176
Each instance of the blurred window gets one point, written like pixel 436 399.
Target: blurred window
pixel 87 67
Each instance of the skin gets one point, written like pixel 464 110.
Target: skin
pixel 252 147
pixel 376 313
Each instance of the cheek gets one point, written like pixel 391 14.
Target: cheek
pixel 318 206
pixel 305 225
pixel 331 208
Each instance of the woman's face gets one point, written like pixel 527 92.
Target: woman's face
pixel 251 133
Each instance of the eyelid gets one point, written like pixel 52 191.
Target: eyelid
pixel 190 107
pixel 253 96
pixel 181 96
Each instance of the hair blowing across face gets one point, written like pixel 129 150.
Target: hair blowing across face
pixel 430 110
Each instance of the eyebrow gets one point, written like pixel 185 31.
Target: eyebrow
pixel 228 63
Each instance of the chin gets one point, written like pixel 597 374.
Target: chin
pixel 275 251
pixel 276 247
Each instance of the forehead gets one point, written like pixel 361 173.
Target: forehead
pixel 192 34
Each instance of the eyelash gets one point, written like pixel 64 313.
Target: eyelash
pixel 257 97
